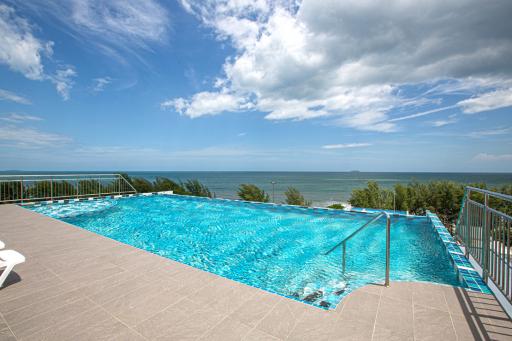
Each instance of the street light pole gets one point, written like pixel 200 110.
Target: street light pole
pixel 273 197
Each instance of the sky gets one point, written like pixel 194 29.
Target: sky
pixel 256 85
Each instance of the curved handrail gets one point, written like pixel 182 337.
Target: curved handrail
pixel 388 237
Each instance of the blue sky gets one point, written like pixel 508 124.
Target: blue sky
pixel 256 85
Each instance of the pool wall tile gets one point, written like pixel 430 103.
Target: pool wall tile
pixel 469 275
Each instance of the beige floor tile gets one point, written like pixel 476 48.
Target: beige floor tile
pixel 229 329
pixel 258 335
pixel 281 320
pixel 361 306
pixel 186 320
pixel 396 316
pixel 52 318
pixel 432 324
pixel 252 311
pixel 315 324
pixel 399 291
pixel 469 328
pixel 347 328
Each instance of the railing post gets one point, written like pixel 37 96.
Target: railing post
pixel 344 255
pixel 21 189
pixel 51 189
pixel 467 242
pixel 388 243
pixel 485 241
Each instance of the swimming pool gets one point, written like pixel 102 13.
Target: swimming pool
pixel 276 248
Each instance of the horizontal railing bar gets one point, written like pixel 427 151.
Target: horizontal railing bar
pixel 491 193
pixel 54 175
pixel 503 215
pixel 53 179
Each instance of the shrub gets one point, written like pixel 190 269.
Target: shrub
pixel 293 197
pixel 336 206
pixel 251 192
pixel 195 188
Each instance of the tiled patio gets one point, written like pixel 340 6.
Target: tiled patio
pixel 77 285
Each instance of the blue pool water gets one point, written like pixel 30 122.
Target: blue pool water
pixel 277 248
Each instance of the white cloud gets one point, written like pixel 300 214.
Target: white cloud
pixel 101 83
pixel 17 118
pixel 11 96
pixel 29 137
pixel 206 103
pixel 492 157
pixel 488 101
pixel 19 49
pixel 63 81
pixel 23 52
pixel 451 119
pixel 323 59
pixel 346 145
pixel 114 27
pixel 490 132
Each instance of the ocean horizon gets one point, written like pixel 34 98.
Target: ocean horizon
pixel 322 188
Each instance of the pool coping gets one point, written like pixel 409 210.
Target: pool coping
pixel 469 275
pixel 270 204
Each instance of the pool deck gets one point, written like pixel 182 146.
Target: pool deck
pixel 77 285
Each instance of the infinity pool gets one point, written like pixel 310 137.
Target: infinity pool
pixel 276 248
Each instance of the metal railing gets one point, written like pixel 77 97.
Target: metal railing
pixel 21 188
pixel 486 231
pixel 343 243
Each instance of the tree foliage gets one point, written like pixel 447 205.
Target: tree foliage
pixel 442 197
pixel 252 192
pixel 294 197
pixel 195 188
pixel 190 187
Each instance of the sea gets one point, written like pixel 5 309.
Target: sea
pixel 322 188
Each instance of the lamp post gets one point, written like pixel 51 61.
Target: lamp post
pixel 273 198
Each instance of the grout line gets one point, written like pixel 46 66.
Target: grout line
pixel 124 324
pixel 376 316
pixel 8 326
pixel 451 319
pixel 69 321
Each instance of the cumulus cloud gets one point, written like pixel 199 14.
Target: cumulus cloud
pixel 206 103
pixel 348 60
pixel 346 145
pixel 6 95
pixel 19 48
pixel 488 101
pixel 23 52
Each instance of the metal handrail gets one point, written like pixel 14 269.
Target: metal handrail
pixel 19 188
pixel 486 235
pixel 388 243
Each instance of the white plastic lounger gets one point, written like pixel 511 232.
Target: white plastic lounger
pixel 2 245
pixel 8 259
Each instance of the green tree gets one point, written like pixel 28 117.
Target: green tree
pixel 251 192
pixel 165 184
pixel 142 185
pixel 294 197
pixel 196 188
